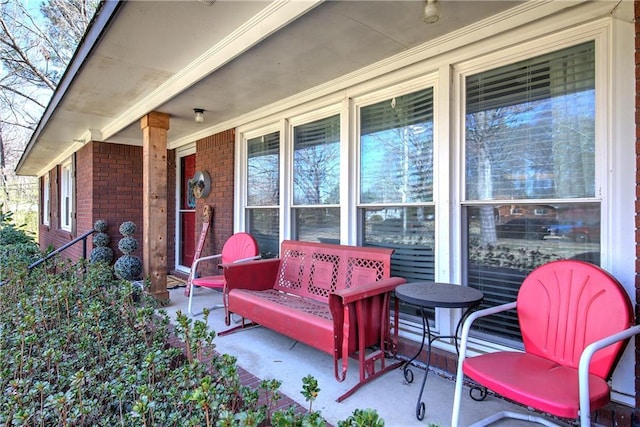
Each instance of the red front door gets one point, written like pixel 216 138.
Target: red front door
pixel 187 211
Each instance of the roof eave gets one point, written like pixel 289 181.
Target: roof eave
pixel 108 9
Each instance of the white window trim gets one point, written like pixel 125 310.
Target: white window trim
pixel 614 136
pixel 241 164
pixel 46 199
pixel 67 190
pixel 613 181
pixel 180 153
pixel 286 189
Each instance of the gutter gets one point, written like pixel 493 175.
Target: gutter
pixel 107 11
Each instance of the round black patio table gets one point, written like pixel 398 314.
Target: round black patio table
pixel 435 295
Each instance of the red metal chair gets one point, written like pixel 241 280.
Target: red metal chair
pixel 575 321
pixel 239 247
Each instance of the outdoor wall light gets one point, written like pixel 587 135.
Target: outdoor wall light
pixel 431 13
pixel 199 115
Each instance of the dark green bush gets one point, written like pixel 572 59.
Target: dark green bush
pixel 127 245
pixel 10 233
pixel 17 249
pixel 101 254
pixel 81 351
pixel 100 226
pixel 101 239
pixel 128 267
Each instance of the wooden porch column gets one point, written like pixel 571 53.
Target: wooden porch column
pixel 154 206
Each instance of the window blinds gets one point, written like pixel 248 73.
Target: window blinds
pixel 558 73
pixel 414 108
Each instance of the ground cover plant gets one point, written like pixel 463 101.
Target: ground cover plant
pixel 17 247
pixel 86 349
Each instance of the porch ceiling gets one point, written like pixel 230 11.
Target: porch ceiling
pixel 230 58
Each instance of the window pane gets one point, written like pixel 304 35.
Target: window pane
pixel 316 162
pixel 263 177
pixel 506 242
pixel 66 190
pixel 530 128
pixel 396 150
pixel 317 224
pixel 46 194
pixel 263 225
pixel 408 230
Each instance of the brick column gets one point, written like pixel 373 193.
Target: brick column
pixel 154 201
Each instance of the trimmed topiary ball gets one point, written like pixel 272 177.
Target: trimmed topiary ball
pixel 100 226
pixel 128 267
pixel 101 254
pixel 101 239
pixel 127 245
pixel 101 251
pixel 127 228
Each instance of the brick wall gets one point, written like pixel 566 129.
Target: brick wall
pixel 108 186
pixel 84 192
pixel 214 155
pixel 117 189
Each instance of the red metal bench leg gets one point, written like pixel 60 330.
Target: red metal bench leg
pixel 237 328
pixel 367 362
pixel 345 349
pixel 370 378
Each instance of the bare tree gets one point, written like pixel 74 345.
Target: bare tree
pixel 35 48
pixel 484 148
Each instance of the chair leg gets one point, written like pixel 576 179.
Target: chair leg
pixel 457 396
pixel 191 297
pixel 191 289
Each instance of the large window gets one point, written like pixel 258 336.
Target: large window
pixel 263 192
pixel 396 181
pixel 520 185
pixel 476 165
pixel 529 172
pixel 66 195
pixel 316 180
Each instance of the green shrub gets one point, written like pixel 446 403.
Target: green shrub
pixel 80 351
pixel 100 226
pixel 101 239
pixel 10 233
pixel 363 418
pixel 15 260
pixel 127 228
pixel 128 267
pixel 101 254
pixel 127 245
pixel 17 249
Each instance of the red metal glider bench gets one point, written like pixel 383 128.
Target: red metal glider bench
pixel 334 298
pixel 575 321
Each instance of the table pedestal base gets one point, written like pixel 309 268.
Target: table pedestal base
pixel 426 332
pixel 435 295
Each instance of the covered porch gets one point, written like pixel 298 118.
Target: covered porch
pixel 268 355
pixel 119 138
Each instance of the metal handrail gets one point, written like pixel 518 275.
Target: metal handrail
pixel 82 238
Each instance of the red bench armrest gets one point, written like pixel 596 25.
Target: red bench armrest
pixel 357 293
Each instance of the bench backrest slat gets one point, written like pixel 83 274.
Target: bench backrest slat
pixel 315 270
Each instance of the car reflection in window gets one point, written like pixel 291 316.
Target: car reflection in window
pixel 526 228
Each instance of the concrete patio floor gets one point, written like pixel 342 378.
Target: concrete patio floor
pixel 269 355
